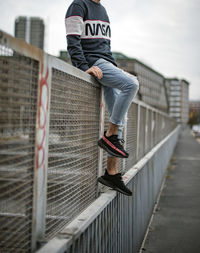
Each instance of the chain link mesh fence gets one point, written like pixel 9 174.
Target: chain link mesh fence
pixel 142 127
pixel 18 99
pixel 148 131
pixel 73 153
pixel 73 156
pixel 120 226
pixel 131 138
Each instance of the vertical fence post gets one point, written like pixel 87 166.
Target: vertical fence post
pixel 101 132
pixel 156 126
pixel 125 138
pixel 41 154
pixel 152 128
pixel 138 131
pixel 146 131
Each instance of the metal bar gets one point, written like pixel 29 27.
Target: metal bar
pixel 156 128
pixel 41 151
pixel 146 129
pixel 71 70
pixel 101 132
pixel 139 102
pixel 138 132
pixel 21 46
pixel 125 138
pixel 152 127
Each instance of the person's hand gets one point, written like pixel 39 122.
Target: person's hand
pixel 95 71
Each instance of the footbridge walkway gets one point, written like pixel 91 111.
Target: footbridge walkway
pixel 175 226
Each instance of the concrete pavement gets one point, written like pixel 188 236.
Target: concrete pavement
pixel 175 227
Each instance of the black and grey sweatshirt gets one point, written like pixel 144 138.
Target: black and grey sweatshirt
pixel 88 33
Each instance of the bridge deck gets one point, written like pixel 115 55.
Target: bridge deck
pixel 175 227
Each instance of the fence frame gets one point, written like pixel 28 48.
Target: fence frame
pixel 46 63
pixel 62 242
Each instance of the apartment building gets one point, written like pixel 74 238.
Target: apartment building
pixel 178 94
pixel 31 30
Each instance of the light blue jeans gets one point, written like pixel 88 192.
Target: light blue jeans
pixel 119 88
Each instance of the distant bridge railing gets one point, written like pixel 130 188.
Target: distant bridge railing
pixel 51 116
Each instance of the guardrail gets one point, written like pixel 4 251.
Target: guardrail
pixel 52 115
pixel 114 223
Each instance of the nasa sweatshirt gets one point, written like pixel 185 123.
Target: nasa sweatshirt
pixel 88 33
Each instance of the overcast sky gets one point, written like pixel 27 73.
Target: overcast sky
pixel 164 34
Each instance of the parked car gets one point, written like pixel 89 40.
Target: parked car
pixel 196 130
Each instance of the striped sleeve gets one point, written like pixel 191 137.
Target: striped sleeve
pixel 74 28
pixel 74 25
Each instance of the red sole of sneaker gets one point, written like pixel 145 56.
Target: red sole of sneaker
pixel 101 145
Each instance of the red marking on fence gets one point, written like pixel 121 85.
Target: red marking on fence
pixel 44 109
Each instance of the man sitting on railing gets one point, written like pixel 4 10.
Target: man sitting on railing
pixel 88 37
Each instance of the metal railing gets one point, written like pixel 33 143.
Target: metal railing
pixel 114 223
pixel 52 115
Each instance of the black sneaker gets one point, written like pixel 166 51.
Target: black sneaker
pixel 113 146
pixel 115 182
